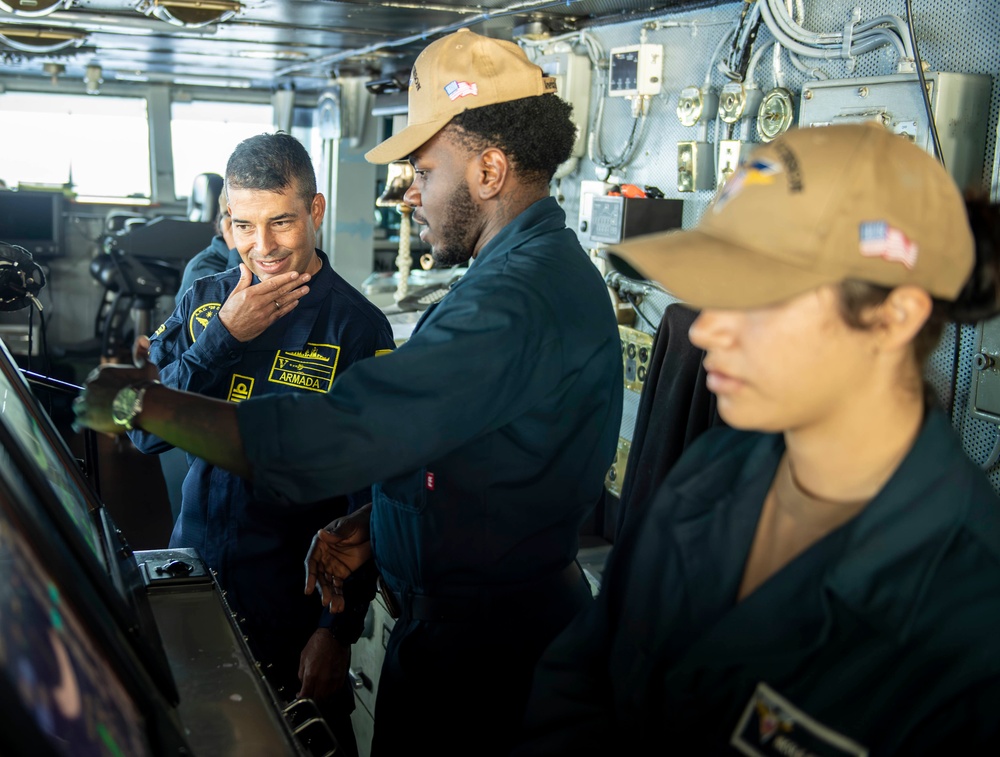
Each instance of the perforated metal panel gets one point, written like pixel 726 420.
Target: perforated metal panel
pixel 952 35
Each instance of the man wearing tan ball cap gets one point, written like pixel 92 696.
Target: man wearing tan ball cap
pixel 487 435
pixel 447 66
pixel 518 371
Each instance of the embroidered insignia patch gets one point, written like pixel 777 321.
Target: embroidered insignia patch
pixel 457 89
pixel 240 388
pixel 312 368
pixel 877 239
pixel 760 171
pixel 200 318
pixel 771 725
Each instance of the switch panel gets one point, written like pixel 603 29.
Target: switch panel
pixel 984 398
pixel 695 170
pixel 616 473
pixel 637 350
pixel 588 191
pixel 731 154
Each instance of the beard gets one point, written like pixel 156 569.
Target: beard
pixel 458 229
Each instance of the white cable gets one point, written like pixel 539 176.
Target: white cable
pixel 776 71
pixel 811 71
pixel 755 59
pixel 595 152
pixel 793 45
pixel 800 10
pixel 628 152
pixel 718 48
pixel 900 30
pixel 784 21
pixel 594 51
pixel 863 38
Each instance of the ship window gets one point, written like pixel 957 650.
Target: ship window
pixel 94 146
pixel 203 135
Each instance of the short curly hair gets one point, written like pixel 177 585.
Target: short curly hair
pixel 536 133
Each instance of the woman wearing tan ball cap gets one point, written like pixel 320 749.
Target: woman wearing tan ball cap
pixel 824 576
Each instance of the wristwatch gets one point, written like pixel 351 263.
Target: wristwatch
pixel 127 404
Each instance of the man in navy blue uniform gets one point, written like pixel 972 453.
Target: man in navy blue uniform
pixel 487 434
pixel 233 338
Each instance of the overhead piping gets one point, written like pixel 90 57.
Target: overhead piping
pixel 39 40
pixel 34 9
pixel 447 28
pixel 111 24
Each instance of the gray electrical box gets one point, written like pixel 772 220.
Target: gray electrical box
pixel 984 397
pixel 960 103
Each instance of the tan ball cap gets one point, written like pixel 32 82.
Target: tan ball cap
pixel 818 206
pixel 456 73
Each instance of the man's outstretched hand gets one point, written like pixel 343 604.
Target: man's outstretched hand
pixel 335 553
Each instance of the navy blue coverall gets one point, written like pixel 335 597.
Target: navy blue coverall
pixel 489 434
pixel 881 638
pixel 255 544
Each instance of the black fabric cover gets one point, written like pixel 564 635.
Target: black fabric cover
pixel 674 408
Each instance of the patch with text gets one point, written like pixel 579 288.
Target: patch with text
pixel 312 368
pixel 200 318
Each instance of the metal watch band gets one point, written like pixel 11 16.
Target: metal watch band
pixel 127 403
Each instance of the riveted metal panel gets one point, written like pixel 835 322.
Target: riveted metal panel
pixel 960 36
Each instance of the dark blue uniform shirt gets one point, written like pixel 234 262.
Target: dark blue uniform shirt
pixel 489 431
pixel 489 434
pixel 880 638
pixel 256 545
pixel 215 258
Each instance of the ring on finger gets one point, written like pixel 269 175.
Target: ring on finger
pixel 276 305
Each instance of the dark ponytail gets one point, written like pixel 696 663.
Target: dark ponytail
pixel 980 299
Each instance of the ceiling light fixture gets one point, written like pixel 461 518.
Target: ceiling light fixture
pixel 272 54
pixel 190 13
pixel 183 80
pixel 33 39
pixel 34 8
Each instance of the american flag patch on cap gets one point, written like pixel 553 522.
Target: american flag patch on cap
pixel 457 89
pixel 877 239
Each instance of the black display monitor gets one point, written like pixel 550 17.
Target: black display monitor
pixel 32 220
pixel 66 513
pixel 55 677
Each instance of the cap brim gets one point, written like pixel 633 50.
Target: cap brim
pixel 706 272
pixel 404 144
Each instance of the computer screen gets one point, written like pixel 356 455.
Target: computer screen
pixel 36 437
pixel 66 506
pixel 32 220
pixel 74 697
